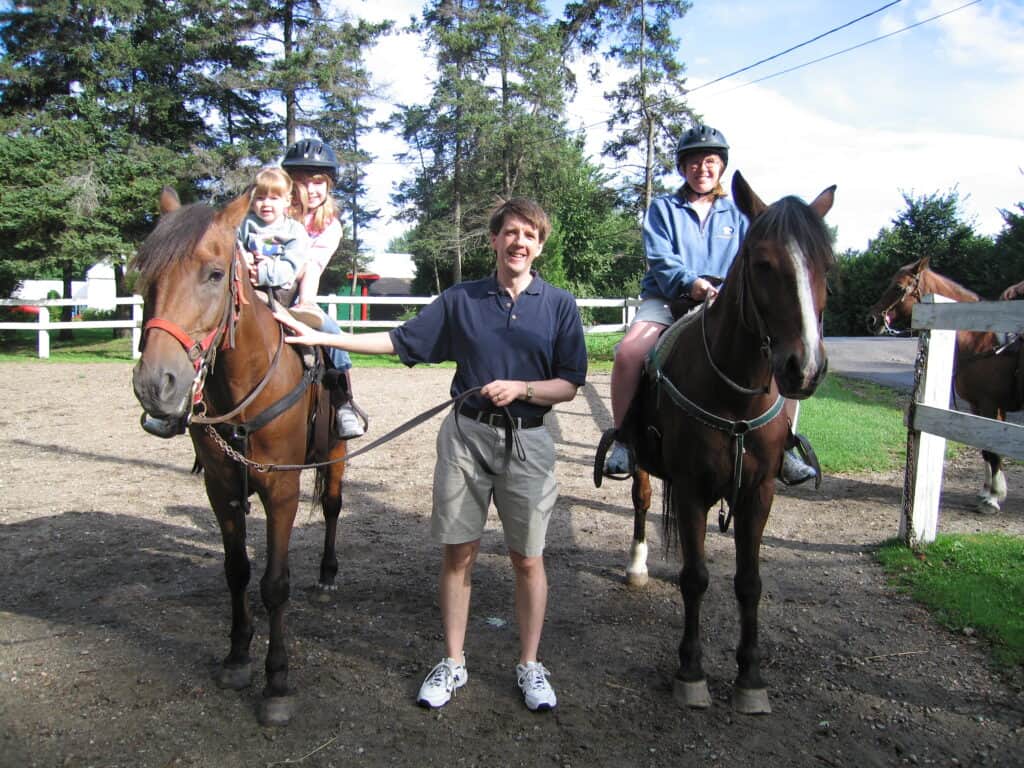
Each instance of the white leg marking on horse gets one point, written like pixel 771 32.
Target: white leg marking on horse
pixel 999 486
pixel 808 318
pixel 636 571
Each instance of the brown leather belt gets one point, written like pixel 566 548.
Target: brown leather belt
pixel 496 419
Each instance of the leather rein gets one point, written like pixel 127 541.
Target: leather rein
pixel 203 353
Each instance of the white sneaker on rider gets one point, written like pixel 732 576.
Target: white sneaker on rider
pixel 794 470
pixel 348 422
pixel 618 460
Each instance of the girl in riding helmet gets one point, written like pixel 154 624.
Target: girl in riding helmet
pixel 313 168
pixel 691 238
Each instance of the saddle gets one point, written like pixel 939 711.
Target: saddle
pixel 638 431
pixel 334 383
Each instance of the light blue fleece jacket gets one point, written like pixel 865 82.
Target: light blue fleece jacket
pixel 679 249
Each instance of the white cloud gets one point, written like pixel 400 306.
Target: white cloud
pixel 982 35
pixel 934 108
pixel 784 148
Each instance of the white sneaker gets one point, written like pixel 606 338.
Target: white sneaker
pixel 618 461
pixel 795 470
pixel 537 691
pixel 442 682
pixel 348 422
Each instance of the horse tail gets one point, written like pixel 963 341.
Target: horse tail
pixel 669 524
pixel 319 488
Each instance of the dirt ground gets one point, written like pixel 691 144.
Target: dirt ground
pixel 114 613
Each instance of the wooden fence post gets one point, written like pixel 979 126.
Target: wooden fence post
pixel 44 334
pixel 137 328
pixel 922 484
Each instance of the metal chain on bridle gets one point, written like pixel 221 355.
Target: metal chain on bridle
pixel 512 441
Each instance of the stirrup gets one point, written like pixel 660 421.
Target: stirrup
pixel 607 438
pixel 808 456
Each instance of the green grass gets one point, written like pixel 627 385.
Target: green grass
pixel 855 426
pixel 89 345
pixel 970 582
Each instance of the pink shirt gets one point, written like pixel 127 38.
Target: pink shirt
pixel 322 245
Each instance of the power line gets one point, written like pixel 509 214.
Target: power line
pixel 789 50
pixel 782 53
pixel 795 47
pixel 847 50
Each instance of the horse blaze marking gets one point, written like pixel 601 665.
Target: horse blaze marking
pixel 806 299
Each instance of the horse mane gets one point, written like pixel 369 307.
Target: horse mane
pixel 955 289
pixel 791 219
pixel 176 236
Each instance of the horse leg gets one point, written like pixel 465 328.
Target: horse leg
pixel 328 486
pixel 994 493
pixel 236 669
pixel 690 687
pixel 636 570
pixel 750 695
pixel 280 500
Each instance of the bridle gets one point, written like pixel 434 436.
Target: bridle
pixel 759 329
pixel 203 352
pixel 910 290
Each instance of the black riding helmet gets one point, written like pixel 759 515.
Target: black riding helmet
pixel 311 155
pixel 702 138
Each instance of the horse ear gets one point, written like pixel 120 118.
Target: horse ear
pixel 746 199
pixel 169 200
pixel 922 264
pixel 822 204
pixel 235 211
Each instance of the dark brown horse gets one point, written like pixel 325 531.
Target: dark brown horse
pixel 708 416
pixel 213 358
pixel 984 373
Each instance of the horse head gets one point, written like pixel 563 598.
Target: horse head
pixel 189 277
pixel 783 266
pixel 901 294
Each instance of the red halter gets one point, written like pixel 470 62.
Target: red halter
pixel 202 353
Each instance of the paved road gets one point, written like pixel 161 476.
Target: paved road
pixel 880 359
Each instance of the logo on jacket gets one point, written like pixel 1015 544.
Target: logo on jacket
pixel 727 231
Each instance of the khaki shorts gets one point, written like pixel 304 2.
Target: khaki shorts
pixel 654 311
pixel 524 496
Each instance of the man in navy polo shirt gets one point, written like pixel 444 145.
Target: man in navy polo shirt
pixel 520 341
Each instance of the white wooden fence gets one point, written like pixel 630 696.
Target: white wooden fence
pixel 43 325
pixel 930 421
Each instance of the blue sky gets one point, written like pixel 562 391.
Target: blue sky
pixel 926 110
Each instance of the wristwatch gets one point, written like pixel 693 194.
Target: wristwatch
pixel 529 391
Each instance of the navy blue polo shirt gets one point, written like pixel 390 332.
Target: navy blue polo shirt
pixel 489 336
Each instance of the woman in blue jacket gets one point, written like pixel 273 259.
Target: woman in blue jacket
pixel 689 236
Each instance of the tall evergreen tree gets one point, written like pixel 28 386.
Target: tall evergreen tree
pixel 649 109
pixel 496 111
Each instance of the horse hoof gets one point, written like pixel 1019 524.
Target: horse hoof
pixel 693 695
pixel 276 710
pixel 987 507
pixel 235 678
pixel 751 701
pixel 636 579
pixel 324 593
